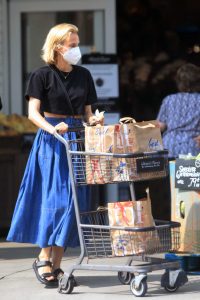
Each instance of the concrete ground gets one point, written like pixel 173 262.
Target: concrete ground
pixel 18 281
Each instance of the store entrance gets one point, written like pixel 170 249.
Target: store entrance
pixel 29 23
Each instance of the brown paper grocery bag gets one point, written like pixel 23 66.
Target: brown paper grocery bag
pixel 134 214
pixel 141 136
pixel 137 137
pixel 104 139
pixel 120 139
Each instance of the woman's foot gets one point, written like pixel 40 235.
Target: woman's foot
pixel 43 272
pixel 58 273
pixel 47 268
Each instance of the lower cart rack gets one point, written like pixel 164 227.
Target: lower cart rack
pixel 102 240
pixel 99 243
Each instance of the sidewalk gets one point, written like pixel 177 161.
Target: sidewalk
pixel 18 281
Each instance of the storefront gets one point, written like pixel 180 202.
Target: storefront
pixel 150 37
pixel 24 25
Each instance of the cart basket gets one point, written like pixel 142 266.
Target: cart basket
pixel 106 168
pixel 102 240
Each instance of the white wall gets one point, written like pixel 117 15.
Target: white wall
pixel 4 65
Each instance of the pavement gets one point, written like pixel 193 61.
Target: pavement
pixel 18 281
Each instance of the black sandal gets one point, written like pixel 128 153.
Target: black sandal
pixel 42 278
pixel 57 273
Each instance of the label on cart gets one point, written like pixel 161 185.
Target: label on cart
pixel 150 164
pixel 187 174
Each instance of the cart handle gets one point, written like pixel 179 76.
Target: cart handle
pixel 120 228
pixel 133 228
pixel 70 129
pixel 121 155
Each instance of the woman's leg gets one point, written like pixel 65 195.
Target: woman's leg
pixel 45 255
pixel 57 255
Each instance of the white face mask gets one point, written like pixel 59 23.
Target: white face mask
pixel 72 56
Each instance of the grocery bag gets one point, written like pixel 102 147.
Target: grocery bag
pixel 101 139
pixel 135 215
pixel 137 137
pixel 141 136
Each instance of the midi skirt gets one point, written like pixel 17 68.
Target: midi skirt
pixel 44 213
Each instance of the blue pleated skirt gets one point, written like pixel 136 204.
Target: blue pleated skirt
pixel 44 212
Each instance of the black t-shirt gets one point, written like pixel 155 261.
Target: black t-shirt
pixel 45 86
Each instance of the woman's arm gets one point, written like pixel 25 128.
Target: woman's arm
pixel 35 116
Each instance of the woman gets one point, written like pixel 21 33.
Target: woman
pixel 179 115
pixel 44 212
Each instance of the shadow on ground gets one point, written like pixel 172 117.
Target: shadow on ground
pixel 10 251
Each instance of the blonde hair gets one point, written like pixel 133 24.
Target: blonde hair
pixel 57 35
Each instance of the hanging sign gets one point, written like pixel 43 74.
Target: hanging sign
pixel 150 164
pixel 105 73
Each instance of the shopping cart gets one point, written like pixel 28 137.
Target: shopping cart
pixel 94 229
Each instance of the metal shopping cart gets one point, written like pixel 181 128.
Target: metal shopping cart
pixel 94 229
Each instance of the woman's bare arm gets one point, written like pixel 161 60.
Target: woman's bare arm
pixel 35 116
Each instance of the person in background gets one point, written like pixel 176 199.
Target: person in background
pixel 179 120
pixel 179 114
pixel 44 212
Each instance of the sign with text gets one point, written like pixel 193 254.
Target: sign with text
pixel 104 71
pixel 150 164
pixel 187 174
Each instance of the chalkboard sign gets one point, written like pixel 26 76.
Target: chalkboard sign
pixel 150 164
pixel 187 174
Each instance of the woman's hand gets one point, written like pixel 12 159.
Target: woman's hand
pixel 61 128
pixel 94 120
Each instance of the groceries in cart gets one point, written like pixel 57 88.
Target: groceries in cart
pixel 135 215
pixel 143 139
pixel 140 136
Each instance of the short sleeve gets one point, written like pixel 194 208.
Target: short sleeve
pixel 35 86
pixel 162 115
pixel 91 94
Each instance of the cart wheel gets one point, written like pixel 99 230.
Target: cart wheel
pixel 180 280
pixel 67 289
pixel 165 283
pixel 171 289
pixel 125 277
pixel 141 290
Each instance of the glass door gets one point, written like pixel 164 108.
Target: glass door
pixel 30 22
